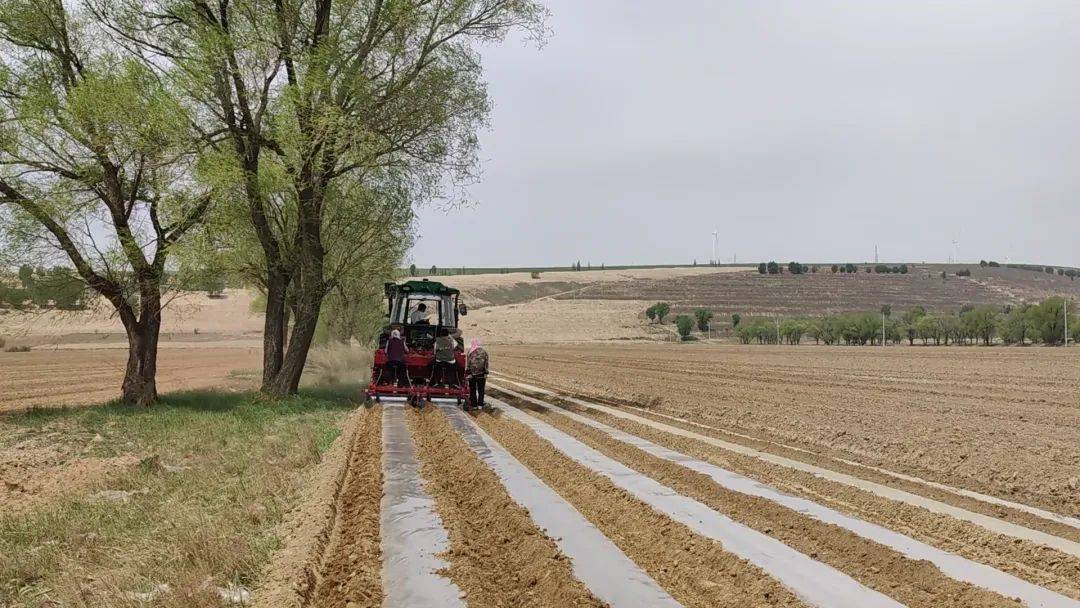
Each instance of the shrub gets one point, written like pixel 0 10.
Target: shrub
pixel 535 275
pixel 659 311
pixel 964 272
pixel 735 318
pixel 17 349
pixel 993 264
pixel 685 325
pixel 903 269
pixel 762 268
pixel 773 268
pixel 703 317
pixel 835 268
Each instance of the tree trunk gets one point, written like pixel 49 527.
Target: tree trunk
pixel 308 296
pixel 140 375
pixel 287 380
pixel 275 326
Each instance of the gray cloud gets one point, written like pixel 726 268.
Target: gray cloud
pixel 799 130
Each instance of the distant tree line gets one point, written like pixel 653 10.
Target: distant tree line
pixel 1072 273
pixel 55 287
pixel 1042 323
pixel 798 268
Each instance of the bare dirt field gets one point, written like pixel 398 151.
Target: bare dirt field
pixel 1006 421
pixel 732 476
pixel 49 378
pixel 190 314
pixel 750 293
pixel 614 469
pixel 513 287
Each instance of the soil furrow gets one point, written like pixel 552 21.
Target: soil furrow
pixel 498 557
pixel 1050 523
pixel 351 570
pixel 957 420
pixel 597 562
pixel 913 582
pixel 1032 517
pixel 1029 561
pixel 695 570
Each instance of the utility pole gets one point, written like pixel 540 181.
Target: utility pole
pixel 1066 303
pixel 883 327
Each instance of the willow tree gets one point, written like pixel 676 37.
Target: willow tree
pixel 305 94
pixel 96 165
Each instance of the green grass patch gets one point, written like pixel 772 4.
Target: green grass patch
pixel 215 473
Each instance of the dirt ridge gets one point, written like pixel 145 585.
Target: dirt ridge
pixel 296 569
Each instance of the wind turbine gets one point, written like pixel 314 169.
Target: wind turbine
pixel 714 259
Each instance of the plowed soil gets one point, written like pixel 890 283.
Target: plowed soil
pixel 48 378
pixel 910 582
pixel 750 293
pixel 350 572
pixel 1002 421
pixel 695 570
pixel 498 557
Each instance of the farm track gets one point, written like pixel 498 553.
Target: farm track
pixel 1002 422
pixel 658 522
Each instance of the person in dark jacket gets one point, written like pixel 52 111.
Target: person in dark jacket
pixel 476 366
pixel 396 351
pixel 445 359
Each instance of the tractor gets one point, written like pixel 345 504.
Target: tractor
pixel 420 311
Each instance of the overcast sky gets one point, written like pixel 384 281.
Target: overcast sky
pixel 799 130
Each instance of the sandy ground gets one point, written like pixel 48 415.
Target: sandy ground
pixel 479 290
pixel 483 281
pixel 186 314
pixel 86 377
pixel 33 474
pixel 546 320
pixel 1001 420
